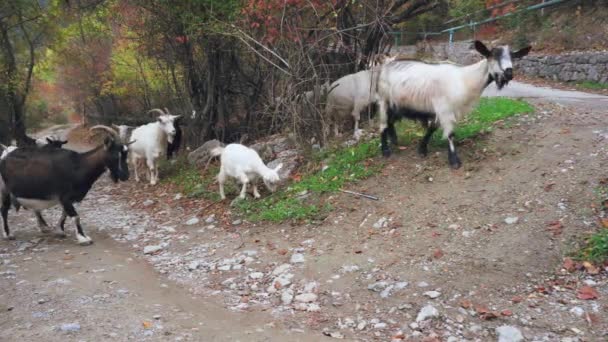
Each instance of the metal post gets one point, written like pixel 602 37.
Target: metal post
pixel 451 38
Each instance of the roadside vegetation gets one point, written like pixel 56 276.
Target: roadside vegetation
pixel 303 198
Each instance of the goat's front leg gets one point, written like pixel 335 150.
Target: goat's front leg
pixel 152 169
pixel 243 178
pixel 134 161
pixel 6 204
pixel 447 124
pixel 256 194
pixel 61 224
pixel 221 179
pixel 42 225
pixel 83 240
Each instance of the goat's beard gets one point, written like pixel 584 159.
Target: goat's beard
pixel 500 80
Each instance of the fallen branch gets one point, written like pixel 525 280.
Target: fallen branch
pixel 360 194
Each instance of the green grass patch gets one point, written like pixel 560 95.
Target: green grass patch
pixel 479 121
pixel 190 181
pixel 592 85
pixel 596 246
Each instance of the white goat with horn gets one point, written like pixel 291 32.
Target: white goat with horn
pixel 439 94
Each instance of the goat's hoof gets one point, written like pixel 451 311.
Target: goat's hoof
pixel 84 240
pixel 10 237
pixel 423 152
pixel 386 153
pixel 455 165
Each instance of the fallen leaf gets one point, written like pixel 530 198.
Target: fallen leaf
pixel 282 251
pixel 590 268
pixel 517 299
pixel 555 227
pixel 296 177
pixel 506 312
pixel 569 265
pixel 605 222
pixel 402 148
pixel 438 253
pixel 358 251
pixel 592 318
pixel 68 257
pixel 549 187
pixel 435 234
pixel 587 293
pixel 488 315
pixel 466 304
pixel 146 324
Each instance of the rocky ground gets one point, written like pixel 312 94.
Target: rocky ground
pixel 470 255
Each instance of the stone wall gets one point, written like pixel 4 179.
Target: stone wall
pixel 577 66
pixel 582 66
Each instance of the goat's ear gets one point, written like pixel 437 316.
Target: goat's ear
pixel 107 143
pixel 482 49
pixel 276 169
pixel 159 119
pixel 49 140
pixel 63 142
pixel 521 52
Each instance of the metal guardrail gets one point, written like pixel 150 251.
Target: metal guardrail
pixel 399 34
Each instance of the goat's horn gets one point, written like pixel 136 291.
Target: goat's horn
pixel 157 110
pixel 105 128
pixel 131 142
pixel 167 111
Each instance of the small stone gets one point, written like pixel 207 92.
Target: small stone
pixel 42 301
pixel 224 268
pixel 511 220
pixel 422 284
pixel 577 311
pixel 349 268
pixel 427 312
pixel 380 326
pixel 414 326
pixel 157 317
pixel 432 294
pixel 297 258
pixel 507 333
pixel 256 275
pixel 70 327
pixel 381 223
pixel 281 269
pixel 377 286
pixel 237 222
pixel 178 197
pixel 192 221
pixel 193 265
pixel 152 249
pixel 387 291
pixel 287 296
pixel 401 285
pixel 361 325
pixel 306 297
pixel 148 202
pixel 210 219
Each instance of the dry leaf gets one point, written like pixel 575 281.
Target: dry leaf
pixel 282 251
pixel 590 268
pixel 146 324
pixel 506 312
pixel 488 315
pixel 569 265
pixel 555 227
pixel 438 253
pixel 587 293
pixel 604 222
pixel 517 299
pixel 466 304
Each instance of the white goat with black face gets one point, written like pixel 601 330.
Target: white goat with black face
pixel 244 164
pixel 438 95
pixel 150 143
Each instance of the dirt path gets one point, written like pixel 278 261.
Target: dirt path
pixel 477 249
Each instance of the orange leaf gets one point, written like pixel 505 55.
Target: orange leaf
pixel 569 265
pixel 282 251
pixel 590 268
pixel 147 325
pixel 438 253
pixel 517 299
pixel 587 293
pixel 605 222
pixel 466 304
pixel 506 312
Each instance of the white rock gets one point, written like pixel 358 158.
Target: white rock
pixel 401 285
pixel 414 326
pixel 422 284
pixel 380 326
pixel 361 325
pixel 287 296
pixel 148 202
pixel 381 223
pixel 306 297
pixel 427 312
pixel 511 220
pixel 297 258
pixel 577 311
pixel 210 219
pixel 387 291
pixel 507 333
pixel 256 275
pixel 377 286
pixel 432 294
pixel 281 269
pixel 70 327
pixel 311 287
pixel 152 249
pixel 193 265
pixel 349 268
pixel 178 196
pixel 224 268
pixel 192 221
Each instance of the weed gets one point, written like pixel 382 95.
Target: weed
pixel 596 246
pixel 592 85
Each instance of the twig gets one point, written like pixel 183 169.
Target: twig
pixel 360 194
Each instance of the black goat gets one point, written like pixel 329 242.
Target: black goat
pixel 173 147
pixel 42 178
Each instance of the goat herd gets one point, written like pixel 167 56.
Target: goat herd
pixel 436 94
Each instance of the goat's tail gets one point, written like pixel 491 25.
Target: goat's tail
pixel 217 151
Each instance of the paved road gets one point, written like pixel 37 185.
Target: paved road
pixel 544 94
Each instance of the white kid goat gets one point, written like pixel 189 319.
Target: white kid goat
pixel 244 164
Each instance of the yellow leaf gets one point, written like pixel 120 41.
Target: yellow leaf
pixel 147 325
